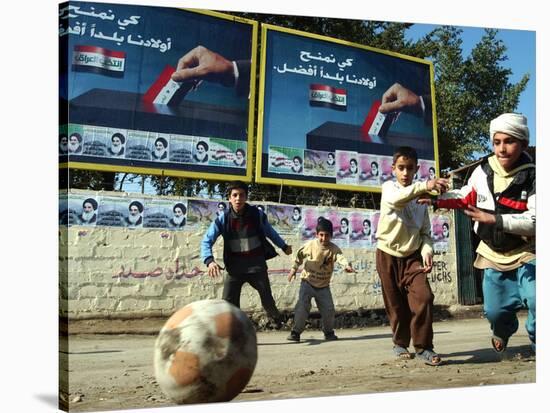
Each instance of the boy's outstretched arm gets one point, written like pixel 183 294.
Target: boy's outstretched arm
pixel 342 260
pixel 398 197
pixel 210 237
pixel 296 263
pixel 457 198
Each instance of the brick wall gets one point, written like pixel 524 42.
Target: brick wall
pixel 121 272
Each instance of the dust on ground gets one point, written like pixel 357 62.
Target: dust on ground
pixel 115 371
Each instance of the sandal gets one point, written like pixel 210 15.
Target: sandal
pixel 429 357
pixel 499 344
pixel 401 353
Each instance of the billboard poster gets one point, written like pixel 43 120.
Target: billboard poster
pixel 285 219
pixel 369 170
pixel 165 214
pixel 347 167
pixel 320 99
pixel 426 170
pixel 386 171
pixel 112 211
pixel 319 163
pixel 77 209
pixel 340 227
pixel 310 216
pixel 361 235
pixel 440 232
pixel 202 212
pixel 131 101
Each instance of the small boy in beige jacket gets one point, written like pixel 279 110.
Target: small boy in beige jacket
pixel 318 256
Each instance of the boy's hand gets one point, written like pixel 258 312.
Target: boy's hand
pixel 291 275
pixel 428 263
pixel 349 268
pixel 214 269
pixel 424 200
pixel 478 215
pixel 440 185
pixel 288 250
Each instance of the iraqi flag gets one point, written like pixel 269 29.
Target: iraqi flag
pixel 98 60
pixel 328 97
pixel 165 91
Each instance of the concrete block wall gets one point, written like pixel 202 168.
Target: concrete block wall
pixel 124 273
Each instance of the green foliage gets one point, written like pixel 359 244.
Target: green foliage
pixel 469 92
pixel 84 179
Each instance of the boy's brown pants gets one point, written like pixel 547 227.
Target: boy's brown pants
pixel 408 299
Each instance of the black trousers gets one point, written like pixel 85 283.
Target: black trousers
pixel 260 282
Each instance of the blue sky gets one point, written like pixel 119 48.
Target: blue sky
pixel 521 60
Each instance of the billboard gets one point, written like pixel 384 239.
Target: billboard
pixel 156 90
pixel 320 124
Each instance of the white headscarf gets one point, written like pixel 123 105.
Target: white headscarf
pixel 512 124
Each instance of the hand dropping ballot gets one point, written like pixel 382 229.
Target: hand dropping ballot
pixel 165 91
pixel 377 123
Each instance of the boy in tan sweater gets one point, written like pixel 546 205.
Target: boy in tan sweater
pixel 318 256
pixel 404 256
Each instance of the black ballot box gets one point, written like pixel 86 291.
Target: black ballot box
pixel 126 110
pixel 332 136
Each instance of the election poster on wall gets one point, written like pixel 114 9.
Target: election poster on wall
pixel 130 98
pixel 320 124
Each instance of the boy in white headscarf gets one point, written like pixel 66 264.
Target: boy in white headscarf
pixel 500 199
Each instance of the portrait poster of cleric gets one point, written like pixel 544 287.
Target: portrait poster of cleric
pixel 77 209
pixel 144 85
pixel 441 231
pixel 203 212
pixel 164 213
pixel 286 219
pixel 328 96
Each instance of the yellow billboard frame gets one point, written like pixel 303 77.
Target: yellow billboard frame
pixel 261 100
pixel 192 174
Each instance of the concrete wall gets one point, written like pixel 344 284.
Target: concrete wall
pixel 120 272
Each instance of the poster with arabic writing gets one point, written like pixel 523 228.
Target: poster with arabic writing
pixel 322 96
pixel 129 93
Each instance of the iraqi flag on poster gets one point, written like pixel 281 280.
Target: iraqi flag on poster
pixel 328 96
pixel 98 60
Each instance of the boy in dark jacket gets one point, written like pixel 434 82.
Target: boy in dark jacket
pixel 244 229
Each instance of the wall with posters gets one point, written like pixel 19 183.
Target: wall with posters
pixel 131 255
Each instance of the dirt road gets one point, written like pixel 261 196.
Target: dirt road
pixel 116 371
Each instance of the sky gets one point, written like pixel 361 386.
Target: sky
pixel 29 305
pixel 521 54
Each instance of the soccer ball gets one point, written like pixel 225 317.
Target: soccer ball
pixel 205 352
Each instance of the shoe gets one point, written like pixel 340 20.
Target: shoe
pixel 429 357
pixel 294 336
pixel 277 325
pixel 331 336
pixel 401 352
pixel 499 344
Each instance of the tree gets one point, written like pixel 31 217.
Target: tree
pixel 469 92
pixel 84 179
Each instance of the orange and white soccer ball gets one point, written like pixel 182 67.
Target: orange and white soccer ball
pixel 205 352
